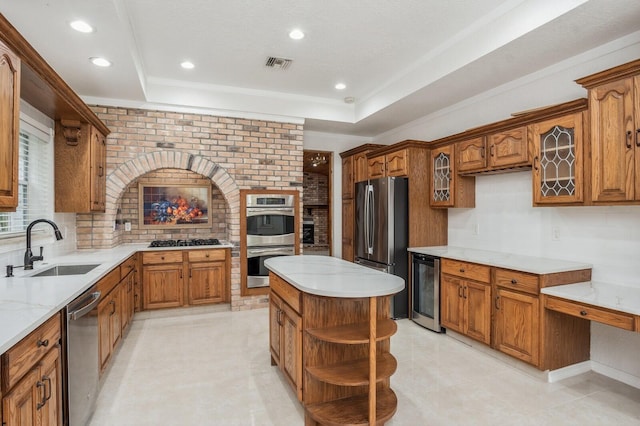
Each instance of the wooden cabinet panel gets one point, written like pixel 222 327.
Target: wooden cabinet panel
pixel 10 125
pixel 51 378
pixel 162 286
pixel 451 303
pixel 19 405
pixel 104 332
pixel 275 307
pixel 347 177
pixel 397 163
pixel 477 297
pixel 558 160
pixel 207 255
pixel 508 148
pixel 206 283
pixel 161 257
pixel 360 168
pixel 288 293
pixel 377 167
pixel 348 230
pixel 291 349
pixel 472 271
pixel 471 155
pixel 517 330
pixel 98 170
pixel 519 281
pixel 612 144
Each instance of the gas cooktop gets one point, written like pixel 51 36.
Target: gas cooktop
pixel 185 243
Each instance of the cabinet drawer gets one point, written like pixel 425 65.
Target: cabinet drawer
pixel 108 282
pixel 286 291
pixel 127 266
pixel 207 255
pixel 616 319
pixel 472 271
pixel 21 358
pixel 517 281
pixel 151 257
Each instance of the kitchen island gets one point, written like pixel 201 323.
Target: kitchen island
pixel 330 335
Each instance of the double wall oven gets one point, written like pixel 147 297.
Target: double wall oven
pixel 271 225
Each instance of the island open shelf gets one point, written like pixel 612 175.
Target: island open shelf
pixel 332 340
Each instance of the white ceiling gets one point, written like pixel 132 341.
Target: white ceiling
pixel 400 59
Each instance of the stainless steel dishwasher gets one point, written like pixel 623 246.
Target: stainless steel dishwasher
pixel 81 358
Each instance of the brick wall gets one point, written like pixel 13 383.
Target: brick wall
pixel 316 192
pixel 229 153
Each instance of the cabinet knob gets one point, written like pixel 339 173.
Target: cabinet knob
pixel 44 343
pixel 514 281
pixel 461 269
pixel 206 255
pixel 583 313
pixel 162 258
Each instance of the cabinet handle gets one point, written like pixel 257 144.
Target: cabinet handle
pixel 628 141
pixel 482 152
pixel 638 137
pixel 190 272
pixel 113 303
pixel 101 172
pixel 180 273
pixel 497 304
pixel 535 163
pixel 514 281
pixel 48 394
pixel 491 150
pixel 583 313
pixel 44 343
pixel 459 291
pixel 464 292
pixel 40 384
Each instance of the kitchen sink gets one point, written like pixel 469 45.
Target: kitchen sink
pixel 60 270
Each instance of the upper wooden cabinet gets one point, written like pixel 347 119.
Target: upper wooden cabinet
pixel 447 189
pixel 347 178
pixel 558 159
pixel 10 125
pixel 496 151
pixel 393 164
pixel 80 168
pixel 360 167
pixel 614 104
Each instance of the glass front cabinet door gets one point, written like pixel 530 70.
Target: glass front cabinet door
pixel 558 160
pixel 442 177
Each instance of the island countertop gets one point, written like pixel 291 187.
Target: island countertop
pixel 333 277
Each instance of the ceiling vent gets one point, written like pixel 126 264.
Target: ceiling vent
pixel 278 63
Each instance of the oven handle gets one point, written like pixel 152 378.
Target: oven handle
pixel 79 313
pixel 253 252
pixel 284 211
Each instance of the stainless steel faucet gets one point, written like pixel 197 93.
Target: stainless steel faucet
pixel 29 258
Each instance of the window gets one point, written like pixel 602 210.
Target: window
pixel 35 178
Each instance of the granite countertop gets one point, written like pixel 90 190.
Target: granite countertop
pixel 26 302
pixel 612 296
pixel 531 264
pixel 333 277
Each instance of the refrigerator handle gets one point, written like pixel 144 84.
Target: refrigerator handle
pixel 370 219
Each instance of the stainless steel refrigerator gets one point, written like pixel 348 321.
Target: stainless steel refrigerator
pixel 381 231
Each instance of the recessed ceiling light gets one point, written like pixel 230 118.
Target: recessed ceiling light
pixel 100 62
pixel 188 65
pixel 296 34
pixel 340 86
pixel 81 26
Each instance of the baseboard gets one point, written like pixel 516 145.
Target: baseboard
pixel 568 371
pixel 618 375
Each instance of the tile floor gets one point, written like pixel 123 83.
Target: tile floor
pixel 211 367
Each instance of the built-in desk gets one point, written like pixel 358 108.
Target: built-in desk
pixel 611 304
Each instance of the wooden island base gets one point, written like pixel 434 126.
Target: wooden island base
pixel 335 353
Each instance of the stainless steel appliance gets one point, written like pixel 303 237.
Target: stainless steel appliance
pixel 185 243
pixel 257 274
pixel 270 220
pixel 81 357
pixel 425 291
pixel 308 231
pixel 381 232
pixel 271 226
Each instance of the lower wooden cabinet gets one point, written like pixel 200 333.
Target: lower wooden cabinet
pixel 177 278
pixel 517 325
pixel 348 229
pixel 466 307
pixel 32 378
pixel 109 326
pixel 285 340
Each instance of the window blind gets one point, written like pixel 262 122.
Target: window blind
pixel 35 178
